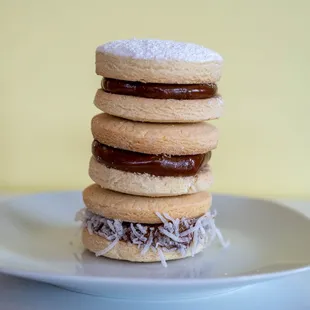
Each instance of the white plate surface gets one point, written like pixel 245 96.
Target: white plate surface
pixel 40 240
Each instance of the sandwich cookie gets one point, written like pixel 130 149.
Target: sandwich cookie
pixel 159 81
pixel 151 159
pixel 141 229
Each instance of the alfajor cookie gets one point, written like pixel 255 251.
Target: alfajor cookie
pixel 159 81
pixel 151 159
pixel 172 238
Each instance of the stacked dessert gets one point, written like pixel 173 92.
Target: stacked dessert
pixel 151 151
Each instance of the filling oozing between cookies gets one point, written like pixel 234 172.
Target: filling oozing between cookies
pixel 180 235
pixel 158 90
pixel 157 165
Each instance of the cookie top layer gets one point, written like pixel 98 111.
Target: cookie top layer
pixel 158 61
pixel 172 139
pixel 155 49
pixel 138 209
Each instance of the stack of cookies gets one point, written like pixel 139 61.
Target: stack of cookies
pixel 151 151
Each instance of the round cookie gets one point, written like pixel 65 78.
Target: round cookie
pixel 151 138
pixel 144 184
pixel 158 61
pixel 138 209
pixel 128 251
pixel 159 110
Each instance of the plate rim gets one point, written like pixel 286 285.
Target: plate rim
pixel 152 281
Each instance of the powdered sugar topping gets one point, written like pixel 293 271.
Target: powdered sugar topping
pixel 163 50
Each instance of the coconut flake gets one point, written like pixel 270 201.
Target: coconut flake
pixel 212 228
pixel 161 218
pixel 224 243
pixel 110 223
pixel 185 222
pixel 135 232
pixel 170 235
pixel 118 227
pixel 148 244
pixel 89 228
pixel 196 238
pixel 188 231
pixel 162 257
pixel 142 229
pixel 177 227
pixel 176 223
pixel 182 249
pixel 202 230
pixel 108 248
pixel 195 243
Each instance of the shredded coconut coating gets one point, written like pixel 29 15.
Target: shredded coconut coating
pixel 178 235
pixel 163 50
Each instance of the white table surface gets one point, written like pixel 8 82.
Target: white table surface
pixel 287 293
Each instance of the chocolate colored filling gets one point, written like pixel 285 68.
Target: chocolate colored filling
pixel 157 165
pixel 159 91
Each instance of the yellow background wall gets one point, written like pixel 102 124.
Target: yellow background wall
pixel 47 85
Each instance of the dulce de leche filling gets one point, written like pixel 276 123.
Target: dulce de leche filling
pixel 157 165
pixel 159 91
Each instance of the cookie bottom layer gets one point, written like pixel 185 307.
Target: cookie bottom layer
pixel 159 110
pixel 127 251
pixel 147 185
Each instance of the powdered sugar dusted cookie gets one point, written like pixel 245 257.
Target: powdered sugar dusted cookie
pixel 158 61
pixel 155 49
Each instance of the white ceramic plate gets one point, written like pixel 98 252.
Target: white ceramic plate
pixel 39 240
